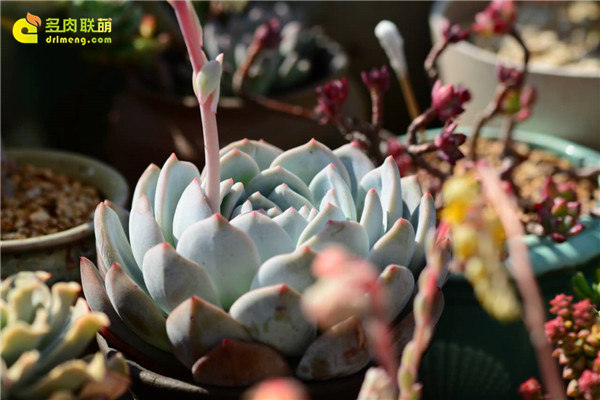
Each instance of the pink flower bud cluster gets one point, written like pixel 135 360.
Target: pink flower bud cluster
pixel 453 33
pixel 377 79
pixel 498 18
pixel 331 98
pixel 268 34
pixel 575 335
pixel 448 143
pixel 448 100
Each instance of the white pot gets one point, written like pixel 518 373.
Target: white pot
pixel 568 103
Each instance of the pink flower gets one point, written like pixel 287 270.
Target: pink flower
pixel 561 305
pixel 589 385
pixel 584 315
pixel 448 142
pixel 331 98
pixel 531 390
pixel 453 33
pixel 509 76
pixel 398 151
pixel 269 33
pixel 498 18
pixel 277 389
pixel 377 79
pixel 555 329
pixel 345 287
pixel 448 100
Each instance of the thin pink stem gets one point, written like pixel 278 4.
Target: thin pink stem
pixel 192 35
pixel 211 156
pixel 534 311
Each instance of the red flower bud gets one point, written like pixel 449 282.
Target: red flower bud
pixel 448 100
pixel 453 33
pixel 331 98
pixel 377 79
pixel 498 18
pixel 269 33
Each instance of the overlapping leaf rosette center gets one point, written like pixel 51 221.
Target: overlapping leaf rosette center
pixel 220 290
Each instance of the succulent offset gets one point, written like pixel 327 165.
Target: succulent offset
pixel 42 333
pixel 223 289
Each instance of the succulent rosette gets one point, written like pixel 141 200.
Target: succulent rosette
pixel 223 291
pixel 43 333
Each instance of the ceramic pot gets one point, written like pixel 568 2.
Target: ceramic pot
pixel 59 253
pixel 567 102
pixel 464 322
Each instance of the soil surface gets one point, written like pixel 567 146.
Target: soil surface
pixel 529 176
pixel 44 202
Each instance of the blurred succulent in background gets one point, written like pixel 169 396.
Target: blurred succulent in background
pixel 559 210
pixel 292 55
pixel 575 336
pixel 214 286
pixel 586 290
pixel 42 333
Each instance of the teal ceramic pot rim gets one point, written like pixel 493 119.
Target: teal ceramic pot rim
pixel 546 255
pixel 111 184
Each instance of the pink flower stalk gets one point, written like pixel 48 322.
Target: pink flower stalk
pixel 448 100
pixel 453 33
pixel 448 143
pixel 498 18
pixel 423 309
pixel 347 286
pixel 398 151
pixel 377 79
pixel 277 389
pixel 208 99
pixel 331 98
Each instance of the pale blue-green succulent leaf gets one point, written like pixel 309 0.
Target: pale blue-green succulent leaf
pixel 395 247
pixel 328 213
pixel 285 197
pixel 260 202
pixel 411 195
pixel 426 222
pixel 112 245
pixel 386 181
pixel 304 211
pixel 273 212
pixel 97 298
pixel 329 180
pixel 244 208
pixel 239 166
pixel 273 316
pixel 292 269
pixel 234 198
pixel 357 164
pixel 269 238
pixel 308 160
pixel 135 308
pixel 226 253
pixel 341 350
pixel 372 217
pixel 399 284
pixel 196 326
pixel 350 234
pixel 269 179
pixel 144 232
pixel 147 185
pixel 260 151
pixel 174 177
pixel 171 278
pixel 192 207
pixel 122 213
pixel 224 188
pixel 292 222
